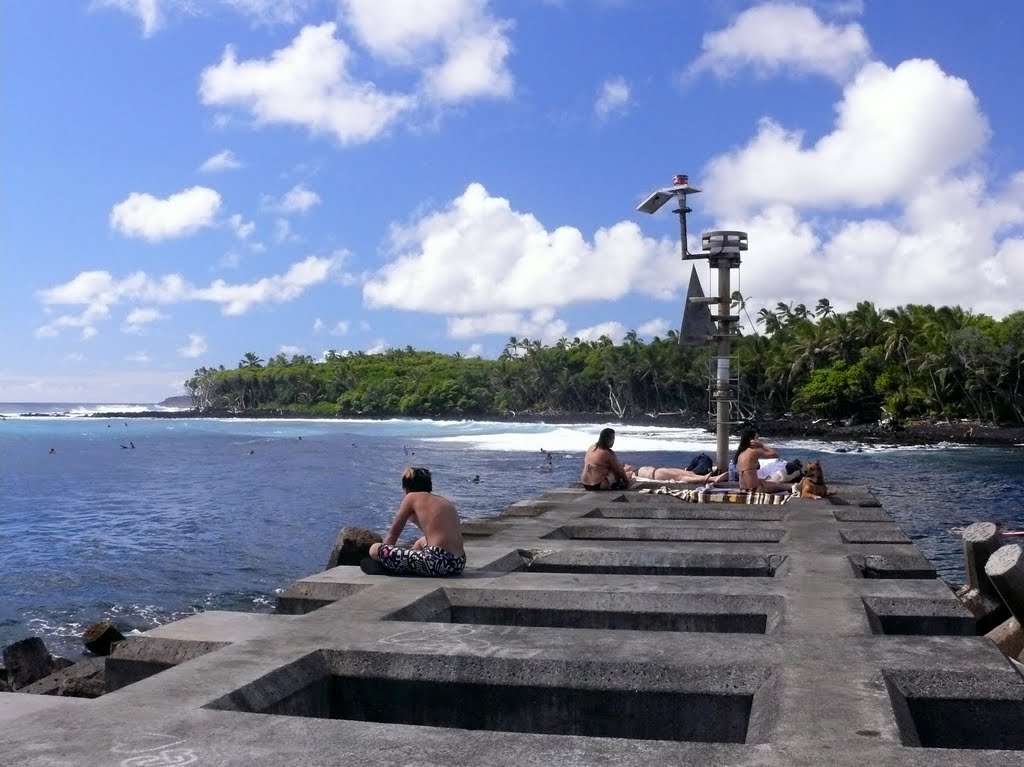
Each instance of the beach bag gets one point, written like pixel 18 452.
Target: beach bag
pixel 701 464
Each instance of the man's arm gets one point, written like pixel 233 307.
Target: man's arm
pixel 401 517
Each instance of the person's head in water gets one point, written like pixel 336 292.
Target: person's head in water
pixel 606 438
pixel 416 479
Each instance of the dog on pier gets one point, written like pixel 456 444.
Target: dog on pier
pixel 813 484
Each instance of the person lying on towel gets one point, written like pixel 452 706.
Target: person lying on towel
pixel 678 475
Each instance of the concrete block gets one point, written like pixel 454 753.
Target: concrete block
pixel 907 616
pixel 1009 637
pixel 873 534
pixel 896 565
pixel 988 612
pixel 307 595
pixel 138 658
pixel 529 508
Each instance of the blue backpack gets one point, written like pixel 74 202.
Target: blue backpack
pixel 701 464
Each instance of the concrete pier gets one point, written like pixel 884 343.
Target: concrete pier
pixel 590 629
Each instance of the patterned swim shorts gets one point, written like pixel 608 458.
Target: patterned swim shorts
pixel 429 561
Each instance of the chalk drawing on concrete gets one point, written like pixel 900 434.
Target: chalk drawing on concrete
pixel 154 749
pixel 461 640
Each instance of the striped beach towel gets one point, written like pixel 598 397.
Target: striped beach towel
pixel 721 495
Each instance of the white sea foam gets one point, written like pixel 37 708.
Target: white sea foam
pixel 76 409
pixel 575 438
pixel 829 446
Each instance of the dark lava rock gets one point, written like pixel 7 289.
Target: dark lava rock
pixel 352 546
pixel 100 638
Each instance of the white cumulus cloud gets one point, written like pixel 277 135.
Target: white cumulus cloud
pixel 783 37
pixel 147 11
pixel 478 256
pixel 147 217
pixel 221 161
pixel 299 199
pixel 243 229
pixel 540 325
pixel 895 129
pixel 194 346
pixel 613 98
pixel 270 12
pixel 462 46
pixel 616 331
pixel 238 299
pixel 138 318
pixel 307 84
pixel 98 291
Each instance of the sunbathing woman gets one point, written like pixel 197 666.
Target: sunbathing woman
pixel 748 460
pixel 678 475
pixel 601 467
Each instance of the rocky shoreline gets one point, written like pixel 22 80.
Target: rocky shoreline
pixel 784 427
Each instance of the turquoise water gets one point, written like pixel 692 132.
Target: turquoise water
pixel 223 514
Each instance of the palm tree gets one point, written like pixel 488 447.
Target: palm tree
pixel 824 308
pixel 250 360
pixel 511 350
pixel 770 320
pixel 899 335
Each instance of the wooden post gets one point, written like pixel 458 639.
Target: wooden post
pixel 980 541
pixel 1005 568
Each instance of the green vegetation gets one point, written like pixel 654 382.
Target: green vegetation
pixel 902 363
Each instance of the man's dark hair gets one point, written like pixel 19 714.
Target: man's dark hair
pixel 416 479
pixel 606 438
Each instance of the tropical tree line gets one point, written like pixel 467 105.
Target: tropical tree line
pixel 911 362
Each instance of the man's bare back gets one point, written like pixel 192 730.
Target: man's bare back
pixel 440 551
pixel 435 515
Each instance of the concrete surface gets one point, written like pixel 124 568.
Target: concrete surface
pixel 589 629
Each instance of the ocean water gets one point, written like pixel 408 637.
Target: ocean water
pixel 224 514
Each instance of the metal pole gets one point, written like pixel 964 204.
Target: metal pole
pixel 723 250
pixel 724 266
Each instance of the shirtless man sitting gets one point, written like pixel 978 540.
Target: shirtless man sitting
pixel 748 460
pixel 439 551
pixel 679 475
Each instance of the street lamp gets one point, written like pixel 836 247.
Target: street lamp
pixel 722 249
pixel 678 191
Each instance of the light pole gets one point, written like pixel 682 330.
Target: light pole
pixel 722 249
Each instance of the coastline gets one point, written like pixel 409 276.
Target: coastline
pixel 787 427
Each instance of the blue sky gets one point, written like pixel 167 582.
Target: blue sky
pixel 185 181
